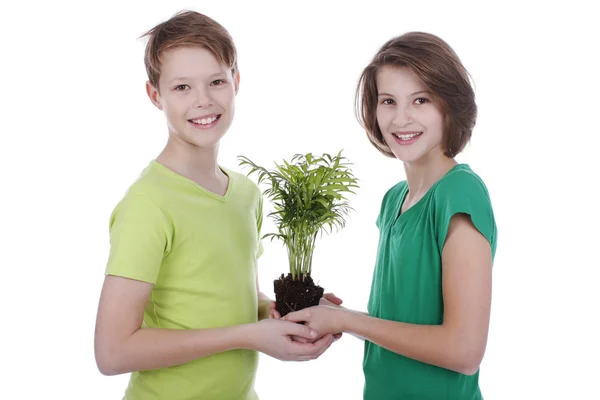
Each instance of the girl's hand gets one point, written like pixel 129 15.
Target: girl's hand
pixel 324 319
pixel 330 299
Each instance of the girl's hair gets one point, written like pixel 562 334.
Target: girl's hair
pixel 438 66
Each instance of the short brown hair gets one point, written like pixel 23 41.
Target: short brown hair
pixel 188 28
pixel 438 66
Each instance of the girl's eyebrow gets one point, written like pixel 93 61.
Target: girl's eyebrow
pixel 412 94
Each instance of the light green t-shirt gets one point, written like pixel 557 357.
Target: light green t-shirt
pixel 407 283
pixel 199 250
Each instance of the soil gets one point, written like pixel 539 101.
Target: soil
pixel 294 295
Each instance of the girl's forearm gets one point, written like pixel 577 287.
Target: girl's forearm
pixel 432 344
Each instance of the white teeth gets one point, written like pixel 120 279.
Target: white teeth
pixel 407 137
pixel 204 121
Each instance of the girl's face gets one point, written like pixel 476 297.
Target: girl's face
pixel 410 121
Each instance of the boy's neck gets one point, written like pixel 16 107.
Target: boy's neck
pixel 193 163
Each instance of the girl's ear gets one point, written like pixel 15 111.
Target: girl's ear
pixel 236 80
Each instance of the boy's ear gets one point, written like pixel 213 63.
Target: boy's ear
pixel 153 95
pixel 236 79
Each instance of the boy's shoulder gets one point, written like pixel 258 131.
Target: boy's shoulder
pixel 147 187
pixel 148 183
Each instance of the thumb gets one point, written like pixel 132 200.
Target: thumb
pixel 333 298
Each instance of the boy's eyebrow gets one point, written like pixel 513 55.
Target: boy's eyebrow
pixel 184 78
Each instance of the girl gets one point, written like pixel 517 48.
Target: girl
pixel 429 307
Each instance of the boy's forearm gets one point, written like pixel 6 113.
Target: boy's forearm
pixel 432 344
pixel 153 348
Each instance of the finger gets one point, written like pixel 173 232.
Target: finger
pixel 337 336
pixel 275 314
pixel 301 331
pixel 317 349
pixel 301 339
pixel 326 346
pixel 333 298
pixel 298 316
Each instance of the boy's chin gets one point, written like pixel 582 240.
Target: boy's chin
pixel 206 141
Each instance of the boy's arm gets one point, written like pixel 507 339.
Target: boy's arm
pixel 266 306
pixel 121 346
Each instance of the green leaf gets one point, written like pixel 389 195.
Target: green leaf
pixel 307 197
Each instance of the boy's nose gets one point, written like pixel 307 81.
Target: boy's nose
pixel 201 99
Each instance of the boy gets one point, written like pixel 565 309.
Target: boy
pixel 180 304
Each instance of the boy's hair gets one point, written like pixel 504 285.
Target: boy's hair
pixel 188 28
pixel 438 66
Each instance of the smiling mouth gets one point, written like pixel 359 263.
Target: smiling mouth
pixel 205 121
pixel 407 136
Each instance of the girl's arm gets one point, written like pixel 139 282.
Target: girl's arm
pixel 121 346
pixel 459 343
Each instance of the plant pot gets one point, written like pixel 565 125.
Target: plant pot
pixel 295 295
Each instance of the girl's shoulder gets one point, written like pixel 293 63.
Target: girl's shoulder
pixel 461 181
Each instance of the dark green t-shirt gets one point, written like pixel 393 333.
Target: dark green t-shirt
pixel 407 283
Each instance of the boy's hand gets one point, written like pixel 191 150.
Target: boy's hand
pixel 273 337
pixel 266 309
pixel 273 313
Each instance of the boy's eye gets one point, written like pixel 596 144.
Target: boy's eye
pixel 421 100
pixel 217 82
pixel 181 87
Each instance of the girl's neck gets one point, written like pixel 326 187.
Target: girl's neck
pixel 421 176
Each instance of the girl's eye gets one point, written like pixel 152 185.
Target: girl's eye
pixel 421 100
pixel 181 87
pixel 218 82
pixel 387 101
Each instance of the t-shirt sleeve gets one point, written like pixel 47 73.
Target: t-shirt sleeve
pixel 140 237
pixel 259 221
pixel 464 193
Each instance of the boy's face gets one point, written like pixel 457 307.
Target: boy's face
pixel 197 94
pixel 410 121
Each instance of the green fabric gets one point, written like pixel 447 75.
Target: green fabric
pixel 407 283
pixel 199 250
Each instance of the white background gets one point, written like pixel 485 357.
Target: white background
pixel 77 128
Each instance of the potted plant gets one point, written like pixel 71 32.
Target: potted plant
pixel 308 198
